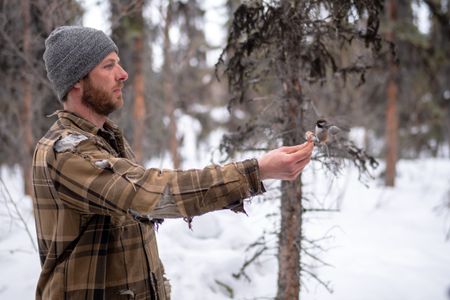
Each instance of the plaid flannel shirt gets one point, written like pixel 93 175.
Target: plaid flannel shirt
pixel 95 210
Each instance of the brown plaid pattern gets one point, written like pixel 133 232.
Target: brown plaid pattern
pixel 95 210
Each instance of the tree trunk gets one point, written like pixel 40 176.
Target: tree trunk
pixel 26 114
pixel 139 109
pixel 440 31
pixel 391 110
pixel 290 241
pixel 291 206
pixel 168 90
pixel 446 45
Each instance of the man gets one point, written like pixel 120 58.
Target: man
pixel 95 208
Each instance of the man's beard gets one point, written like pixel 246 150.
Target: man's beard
pixel 99 100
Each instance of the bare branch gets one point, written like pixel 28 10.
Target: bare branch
pixel 261 248
pixel 6 194
pixel 326 285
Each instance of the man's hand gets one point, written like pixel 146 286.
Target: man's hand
pixel 285 163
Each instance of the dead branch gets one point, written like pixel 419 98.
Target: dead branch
pixel 6 194
pixel 261 248
pixel 326 285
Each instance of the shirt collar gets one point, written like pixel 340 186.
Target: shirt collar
pixel 72 119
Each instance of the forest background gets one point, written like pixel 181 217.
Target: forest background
pixel 394 87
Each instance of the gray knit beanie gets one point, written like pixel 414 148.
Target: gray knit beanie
pixel 71 52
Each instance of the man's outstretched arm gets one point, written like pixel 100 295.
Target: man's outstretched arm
pixel 91 180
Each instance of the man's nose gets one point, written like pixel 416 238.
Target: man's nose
pixel 122 75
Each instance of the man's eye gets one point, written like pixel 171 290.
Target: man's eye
pixel 109 66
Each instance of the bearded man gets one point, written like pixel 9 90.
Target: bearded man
pixel 95 207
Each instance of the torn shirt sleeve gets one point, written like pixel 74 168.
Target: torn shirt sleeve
pixel 92 180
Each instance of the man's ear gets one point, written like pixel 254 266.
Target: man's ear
pixel 78 85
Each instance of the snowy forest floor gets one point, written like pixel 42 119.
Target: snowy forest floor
pixel 381 243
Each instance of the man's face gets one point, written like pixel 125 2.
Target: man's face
pixel 102 88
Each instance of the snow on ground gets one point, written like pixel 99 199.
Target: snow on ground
pixel 390 242
pixel 387 243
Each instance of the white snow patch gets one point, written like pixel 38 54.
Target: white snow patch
pixel 220 114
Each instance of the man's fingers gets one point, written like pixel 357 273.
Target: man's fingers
pixel 295 148
pixel 303 152
pixel 299 167
pixel 301 164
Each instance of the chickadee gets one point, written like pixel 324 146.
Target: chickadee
pixel 324 130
